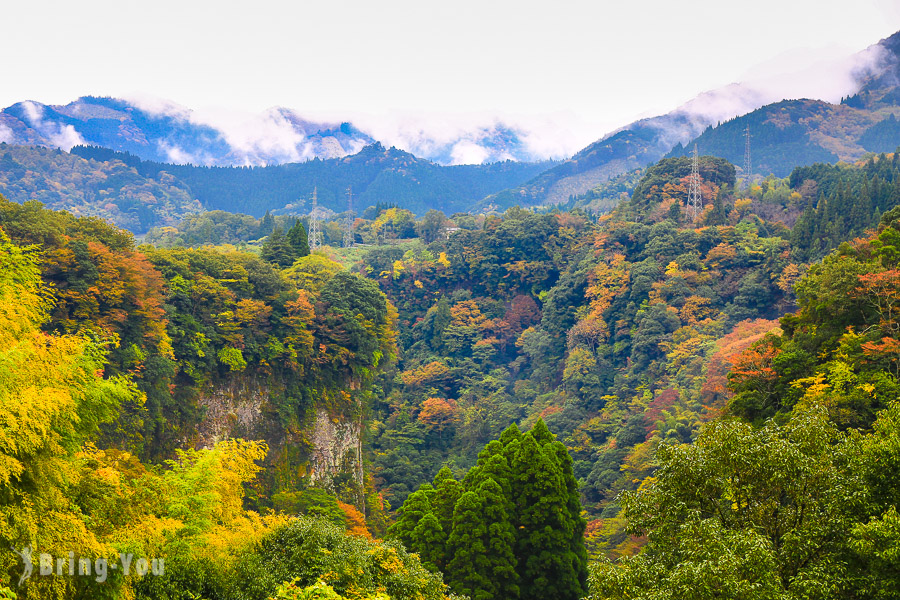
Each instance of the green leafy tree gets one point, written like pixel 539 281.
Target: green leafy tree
pixel 430 227
pixel 744 513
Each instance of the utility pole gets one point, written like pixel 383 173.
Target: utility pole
pixel 348 226
pixel 695 199
pixel 748 166
pixel 314 230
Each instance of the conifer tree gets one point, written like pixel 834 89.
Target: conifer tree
pixel 414 509
pixel 446 495
pixel 278 250
pixel 573 510
pixel 482 543
pixel 495 467
pixel 541 433
pixel 266 225
pixel 548 566
pixel 429 542
pixel 298 239
pixel 509 434
pixel 518 511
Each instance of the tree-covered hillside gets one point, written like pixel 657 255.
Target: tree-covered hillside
pixel 794 494
pixel 619 333
pixel 112 191
pixel 375 174
pixel 135 529
pixel 708 402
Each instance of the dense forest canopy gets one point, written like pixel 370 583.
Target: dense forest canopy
pixel 697 405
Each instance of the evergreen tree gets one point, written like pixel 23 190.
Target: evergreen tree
pixel 278 250
pixel 483 566
pixel 446 495
pixel 516 528
pixel 548 566
pixel 541 433
pixel 509 434
pixel 414 509
pixel 429 542
pixel 266 224
pixel 492 464
pixel 297 238
pixel 573 510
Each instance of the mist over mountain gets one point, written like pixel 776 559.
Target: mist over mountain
pixel 791 133
pixel 854 110
pixel 872 73
pixel 162 131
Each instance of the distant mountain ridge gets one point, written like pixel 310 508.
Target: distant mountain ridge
pixel 138 194
pixel 792 133
pixel 714 115
pixel 166 132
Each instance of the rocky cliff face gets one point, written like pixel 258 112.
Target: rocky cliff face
pixel 337 451
pixel 327 447
pixel 235 409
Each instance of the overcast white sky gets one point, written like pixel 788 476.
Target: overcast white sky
pixel 597 62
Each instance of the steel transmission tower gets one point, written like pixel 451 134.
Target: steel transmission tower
pixel 695 199
pixel 348 226
pixel 315 233
pixel 748 166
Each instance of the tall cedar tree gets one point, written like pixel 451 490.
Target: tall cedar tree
pixel 278 250
pixel 524 481
pixel 298 240
pixel 482 543
pixel 429 542
pixel 446 495
pixel 415 508
pixel 547 566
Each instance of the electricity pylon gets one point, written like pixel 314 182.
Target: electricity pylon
pixel 695 198
pixel 315 233
pixel 348 226
pixel 748 166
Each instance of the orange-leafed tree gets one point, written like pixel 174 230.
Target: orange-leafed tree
pixel 439 414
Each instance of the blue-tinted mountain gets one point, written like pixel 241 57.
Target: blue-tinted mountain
pixel 165 132
pixel 791 133
pixel 784 133
pixel 138 194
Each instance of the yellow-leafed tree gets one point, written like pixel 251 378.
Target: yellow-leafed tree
pixel 52 398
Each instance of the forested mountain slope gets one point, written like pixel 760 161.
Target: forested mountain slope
pixel 622 345
pixel 785 134
pixel 139 195
pixel 374 174
pixel 619 333
pixel 799 492
pixel 112 191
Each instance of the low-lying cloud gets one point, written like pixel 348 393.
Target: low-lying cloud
pixel 56 134
pixel 6 134
pixel 279 135
pixel 823 74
